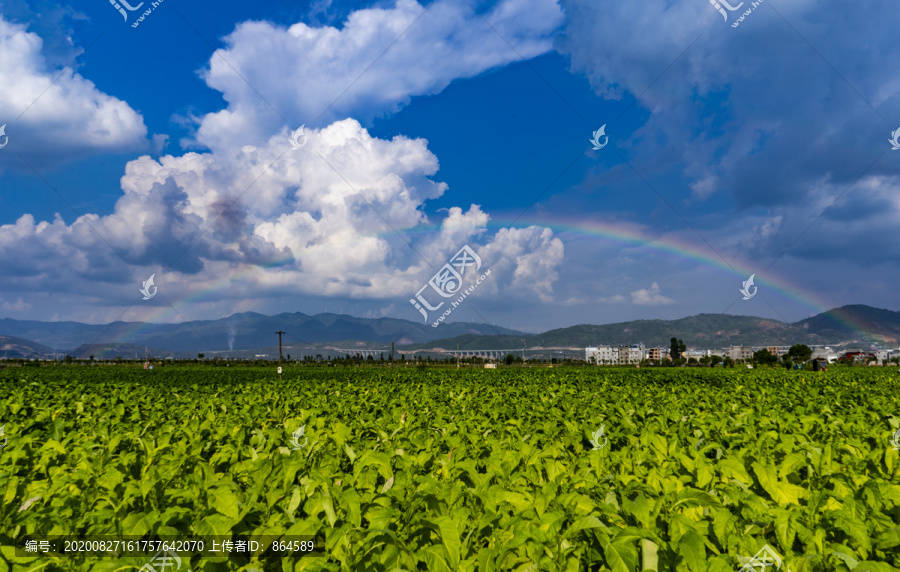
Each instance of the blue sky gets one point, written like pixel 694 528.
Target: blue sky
pixel 736 147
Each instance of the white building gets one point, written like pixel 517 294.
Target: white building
pixel 615 355
pixel 697 354
pixel 630 355
pixel 740 352
pixel 601 355
pixel 825 353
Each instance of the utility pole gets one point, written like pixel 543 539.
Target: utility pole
pixel 279 332
pixel 392 355
pixel 457 356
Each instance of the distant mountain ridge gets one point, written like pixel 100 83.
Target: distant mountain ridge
pixel 12 347
pixel 708 331
pixel 249 331
pixel 245 331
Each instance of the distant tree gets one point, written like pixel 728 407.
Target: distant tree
pixel 728 362
pixel 673 349
pixel 92 357
pixel 787 361
pixel 764 357
pixel 509 359
pixel 714 360
pixel 676 349
pixel 800 352
pixel 201 356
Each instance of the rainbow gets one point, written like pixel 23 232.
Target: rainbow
pixel 616 233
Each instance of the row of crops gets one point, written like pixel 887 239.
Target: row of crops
pixel 459 469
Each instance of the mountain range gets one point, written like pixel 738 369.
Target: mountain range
pixel 246 333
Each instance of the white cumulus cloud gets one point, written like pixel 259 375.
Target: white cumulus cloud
pixel 650 297
pixel 54 115
pixel 372 65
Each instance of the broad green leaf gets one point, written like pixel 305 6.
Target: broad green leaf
pixel 691 498
pixel 784 493
pixel 649 557
pixel 296 498
pixel 621 556
pixel 888 539
pixel 436 558
pixel 449 533
pixel 692 550
pixel 225 502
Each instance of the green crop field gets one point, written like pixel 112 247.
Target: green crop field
pixel 448 469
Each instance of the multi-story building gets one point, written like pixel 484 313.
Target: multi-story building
pixel 632 354
pixel 740 352
pixel 697 354
pixel 614 355
pixel 601 355
pixel 657 354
